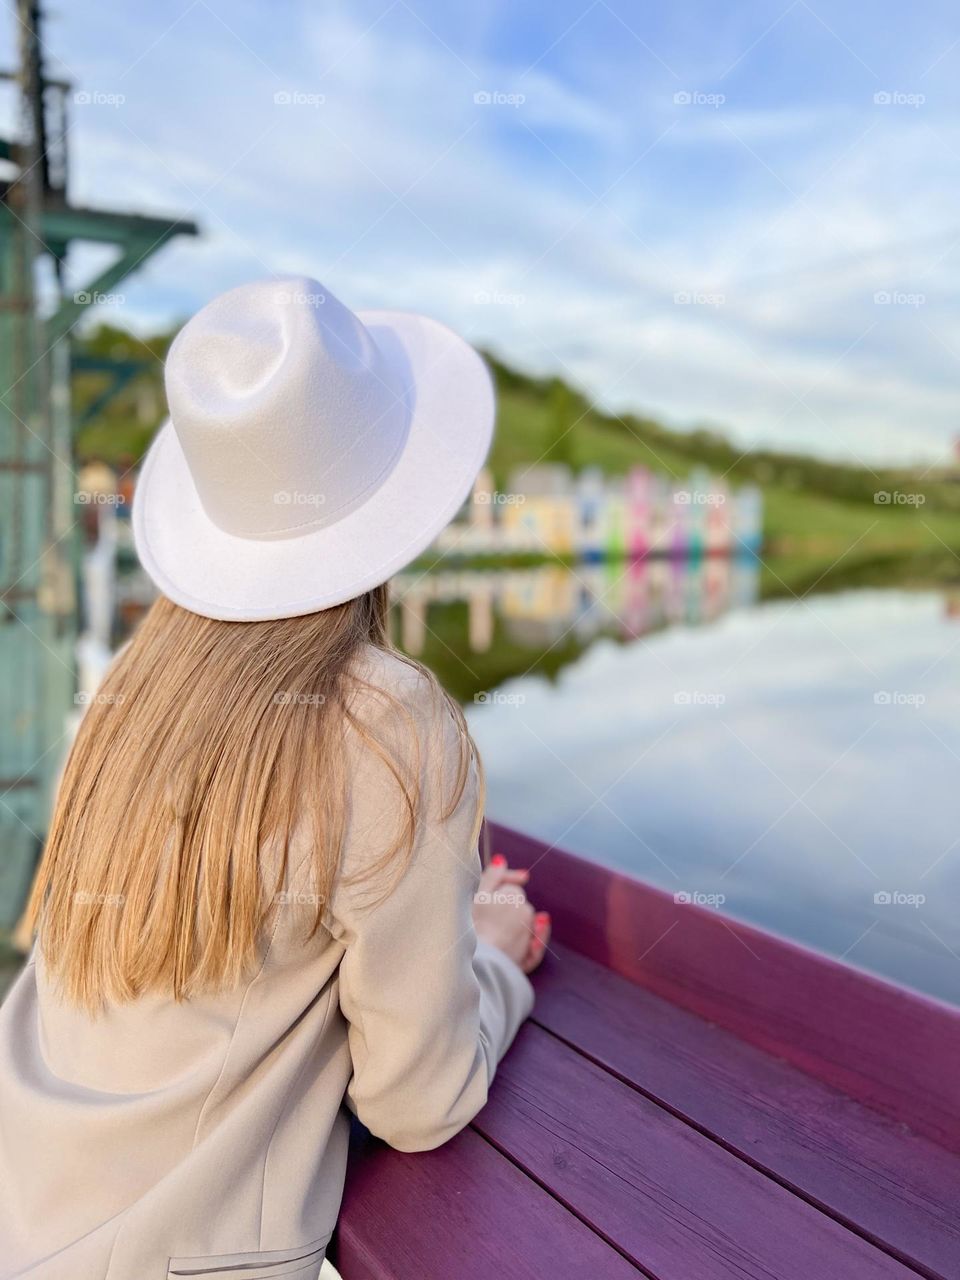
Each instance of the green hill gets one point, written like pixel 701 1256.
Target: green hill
pixel 816 512
pixel 811 505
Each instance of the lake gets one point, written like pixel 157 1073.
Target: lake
pixel 791 762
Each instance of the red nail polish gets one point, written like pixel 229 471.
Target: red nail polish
pixel 542 917
pixel 498 860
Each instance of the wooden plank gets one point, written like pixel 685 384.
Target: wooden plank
pixel 460 1211
pixel 896 1188
pixel 676 1203
pixel 881 1044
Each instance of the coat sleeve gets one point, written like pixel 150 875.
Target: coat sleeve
pixel 431 1010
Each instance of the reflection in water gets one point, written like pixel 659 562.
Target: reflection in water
pixel 795 764
pixel 537 607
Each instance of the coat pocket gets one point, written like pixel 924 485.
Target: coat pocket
pixel 287 1264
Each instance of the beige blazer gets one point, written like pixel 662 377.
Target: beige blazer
pixel 210 1137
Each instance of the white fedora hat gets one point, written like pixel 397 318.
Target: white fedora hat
pixel 310 452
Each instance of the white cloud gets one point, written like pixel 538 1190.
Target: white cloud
pixel 398 188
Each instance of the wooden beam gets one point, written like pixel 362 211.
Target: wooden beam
pixel 888 1047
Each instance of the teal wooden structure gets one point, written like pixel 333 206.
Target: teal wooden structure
pixel 39 605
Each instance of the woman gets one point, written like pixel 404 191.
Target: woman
pixel 258 902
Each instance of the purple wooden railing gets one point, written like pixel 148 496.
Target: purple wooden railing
pixel 693 1099
pixel 889 1047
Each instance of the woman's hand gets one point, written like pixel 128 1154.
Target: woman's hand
pixel 504 918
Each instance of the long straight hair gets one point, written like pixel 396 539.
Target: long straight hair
pixel 207 742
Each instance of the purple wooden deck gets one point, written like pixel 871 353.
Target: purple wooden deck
pixel 692 1099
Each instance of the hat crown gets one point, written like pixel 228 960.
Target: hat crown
pixel 287 412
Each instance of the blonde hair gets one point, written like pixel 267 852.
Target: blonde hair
pixel 207 741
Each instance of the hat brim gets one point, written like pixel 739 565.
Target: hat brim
pixel 217 574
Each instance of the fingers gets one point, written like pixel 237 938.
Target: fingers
pixel 536 925
pixel 496 888
pixel 493 877
pixel 539 942
pixel 541 930
pixel 498 873
pixel 499 863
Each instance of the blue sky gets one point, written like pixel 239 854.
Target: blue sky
pixel 701 211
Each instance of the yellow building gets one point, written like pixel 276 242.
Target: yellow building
pixel 545 522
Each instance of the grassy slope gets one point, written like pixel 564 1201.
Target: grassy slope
pixel 815 511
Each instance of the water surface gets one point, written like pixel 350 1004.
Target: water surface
pixel 794 761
